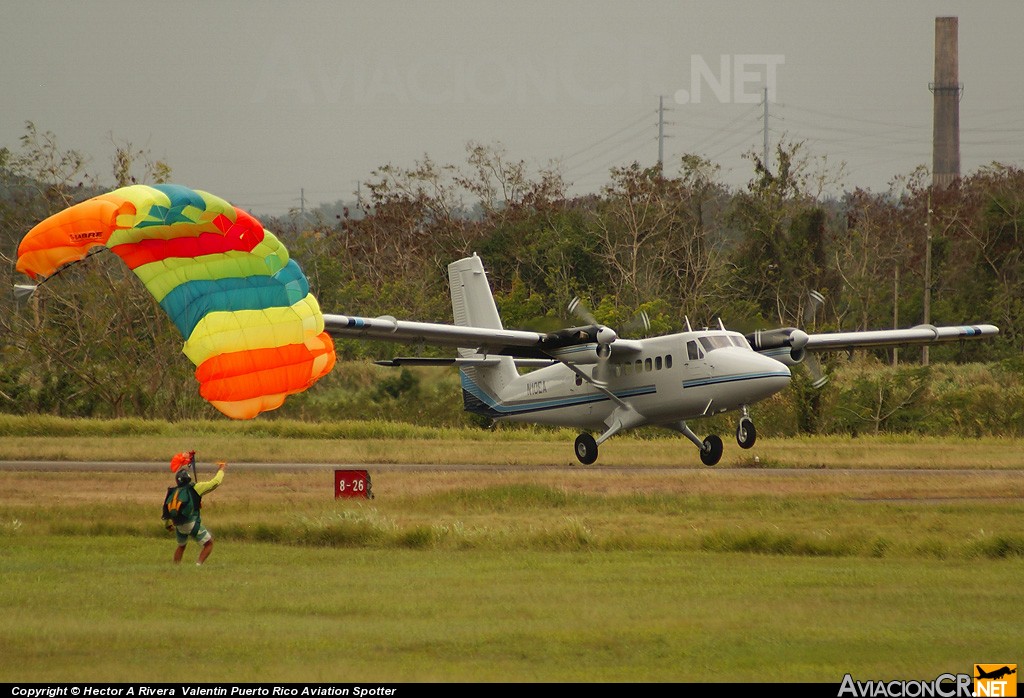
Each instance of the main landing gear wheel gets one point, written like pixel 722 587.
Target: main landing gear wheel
pixel 586 449
pixel 711 452
pixel 746 434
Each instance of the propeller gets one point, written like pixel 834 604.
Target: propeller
pixel 818 377
pixel 814 302
pixel 639 324
pixel 604 336
pixel 795 341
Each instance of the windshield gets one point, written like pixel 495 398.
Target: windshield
pixel 718 341
pixel 715 342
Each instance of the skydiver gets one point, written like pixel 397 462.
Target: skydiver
pixel 181 510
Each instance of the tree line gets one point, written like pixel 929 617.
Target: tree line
pixel 675 242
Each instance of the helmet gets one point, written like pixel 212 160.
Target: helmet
pixel 182 477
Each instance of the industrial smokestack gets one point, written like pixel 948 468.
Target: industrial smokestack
pixel 946 90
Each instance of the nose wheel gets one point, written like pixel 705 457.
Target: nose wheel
pixel 746 434
pixel 586 449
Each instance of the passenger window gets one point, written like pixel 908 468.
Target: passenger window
pixel 648 366
pixel 657 363
pixel 668 361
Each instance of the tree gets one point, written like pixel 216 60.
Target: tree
pixel 127 158
pixel 985 224
pixel 655 238
pixel 871 253
pixel 91 341
pixel 783 251
pixel 503 186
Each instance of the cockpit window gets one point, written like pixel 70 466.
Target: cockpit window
pixel 715 342
pixel 692 352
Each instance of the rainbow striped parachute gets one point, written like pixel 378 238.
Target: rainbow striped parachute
pixel 251 326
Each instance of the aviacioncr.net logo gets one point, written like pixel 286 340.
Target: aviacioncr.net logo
pixel 943 686
pixel 741 78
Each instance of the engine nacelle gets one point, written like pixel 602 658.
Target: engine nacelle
pixel 588 354
pixel 785 344
pixel 791 357
pixel 580 345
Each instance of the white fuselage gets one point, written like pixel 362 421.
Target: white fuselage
pixel 675 377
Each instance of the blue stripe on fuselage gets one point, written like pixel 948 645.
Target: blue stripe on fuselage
pixel 717 380
pixel 504 409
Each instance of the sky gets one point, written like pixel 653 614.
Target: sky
pixel 275 105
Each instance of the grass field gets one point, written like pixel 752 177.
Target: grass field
pixel 552 574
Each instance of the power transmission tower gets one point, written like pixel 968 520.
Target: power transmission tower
pixel 662 123
pixel 661 135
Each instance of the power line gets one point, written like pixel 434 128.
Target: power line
pixel 628 126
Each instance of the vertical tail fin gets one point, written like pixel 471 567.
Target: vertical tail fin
pixel 473 306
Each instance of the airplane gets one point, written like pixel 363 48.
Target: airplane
pixel 590 378
pixel 995 674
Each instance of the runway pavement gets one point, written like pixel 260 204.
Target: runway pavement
pixel 161 466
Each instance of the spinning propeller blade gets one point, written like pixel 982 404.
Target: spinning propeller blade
pixel 578 308
pixel 604 337
pixel 641 324
pixel 818 377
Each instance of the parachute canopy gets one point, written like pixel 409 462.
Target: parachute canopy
pixel 252 328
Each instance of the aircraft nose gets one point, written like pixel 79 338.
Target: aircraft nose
pixel 770 365
pixel 770 375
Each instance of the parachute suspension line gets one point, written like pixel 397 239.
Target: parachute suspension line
pixel 64 267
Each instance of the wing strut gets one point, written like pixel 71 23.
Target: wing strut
pixel 603 388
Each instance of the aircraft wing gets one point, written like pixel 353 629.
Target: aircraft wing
pixel 922 334
pixel 521 344
pixel 790 345
pixel 460 361
pixel 487 341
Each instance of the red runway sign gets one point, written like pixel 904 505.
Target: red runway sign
pixel 352 483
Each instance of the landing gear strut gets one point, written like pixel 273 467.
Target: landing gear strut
pixel 586 449
pixel 710 448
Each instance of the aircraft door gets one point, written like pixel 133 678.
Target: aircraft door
pixel 698 369
pixel 581 387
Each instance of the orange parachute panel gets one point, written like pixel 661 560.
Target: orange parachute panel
pixel 68 236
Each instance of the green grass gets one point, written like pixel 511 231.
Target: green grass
pixel 513 575
pixel 111 608
pixel 269 441
pixel 509 512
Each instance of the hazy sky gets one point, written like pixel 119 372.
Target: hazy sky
pixel 257 101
